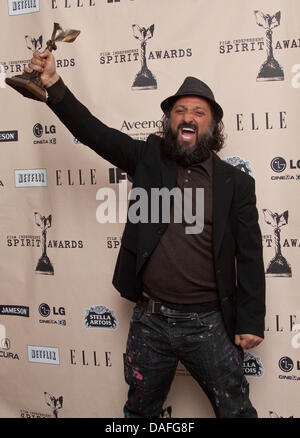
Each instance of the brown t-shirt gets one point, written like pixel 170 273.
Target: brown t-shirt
pixel 180 269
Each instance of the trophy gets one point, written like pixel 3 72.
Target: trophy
pixel 54 403
pixel 144 79
pixel 44 266
pixel 270 69
pixel 278 266
pixel 29 84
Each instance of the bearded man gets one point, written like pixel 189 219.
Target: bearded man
pixel 200 297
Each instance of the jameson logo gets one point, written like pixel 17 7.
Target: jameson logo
pixel 278 265
pixel 14 310
pixel 100 317
pixel 8 135
pixel 252 365
pixel 23 7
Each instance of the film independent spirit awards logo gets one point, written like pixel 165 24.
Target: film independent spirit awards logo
pixel 44 265
pixel 144 78
pixel 33 43
pixel 54 404
pixel 270 69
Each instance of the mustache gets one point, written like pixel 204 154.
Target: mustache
pixel 188 126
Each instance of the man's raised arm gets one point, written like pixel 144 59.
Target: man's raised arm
pixel 116 147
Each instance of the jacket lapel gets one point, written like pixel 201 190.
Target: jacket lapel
pixel 222 196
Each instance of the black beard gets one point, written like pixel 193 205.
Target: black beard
pixel 186 156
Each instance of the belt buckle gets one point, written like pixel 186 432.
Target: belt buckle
pixel 153 306
pixel 150 307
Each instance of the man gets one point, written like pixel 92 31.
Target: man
pixel 200 296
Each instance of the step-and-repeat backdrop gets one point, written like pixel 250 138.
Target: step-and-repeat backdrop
pixel 63 326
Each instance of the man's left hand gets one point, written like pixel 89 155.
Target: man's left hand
pixel 247 341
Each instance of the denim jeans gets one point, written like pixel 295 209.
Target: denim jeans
pixel 156 342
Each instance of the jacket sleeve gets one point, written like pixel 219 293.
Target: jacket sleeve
pixel 112 145
pixel 249 263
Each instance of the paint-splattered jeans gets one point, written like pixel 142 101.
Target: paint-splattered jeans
pixel 199 340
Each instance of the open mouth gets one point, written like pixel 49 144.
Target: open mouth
pixel 187 134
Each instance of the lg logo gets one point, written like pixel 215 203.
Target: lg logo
pixel 38 129
pixel 286 364
pixel 279 164
pixel 45 310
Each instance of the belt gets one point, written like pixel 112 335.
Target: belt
pixel 163 308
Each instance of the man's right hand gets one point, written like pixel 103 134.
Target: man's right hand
pixel 44 63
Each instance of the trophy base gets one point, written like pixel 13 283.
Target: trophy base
pixel 27 87
pixel 144 81
pixel 273 78
pixel 44 272
pixel 44 266
pixel 279 275
pixel 270 71
pixel 144 87
pixel 279 267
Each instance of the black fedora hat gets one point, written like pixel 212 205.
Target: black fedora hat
pixel 193 87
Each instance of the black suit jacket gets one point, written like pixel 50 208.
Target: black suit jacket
pixel 237 243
